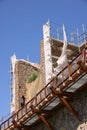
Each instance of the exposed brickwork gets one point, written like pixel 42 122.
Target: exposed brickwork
pixel 62 119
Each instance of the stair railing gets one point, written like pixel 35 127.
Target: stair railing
pixel 44 95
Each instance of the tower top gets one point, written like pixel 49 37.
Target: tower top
pixel 13 61
pixel 46 30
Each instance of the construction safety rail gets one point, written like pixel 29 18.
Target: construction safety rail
pixel 82 37
pixel 60 82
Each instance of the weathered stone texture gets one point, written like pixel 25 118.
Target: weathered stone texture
pixel 62 119
pixel 56 50
pixel 33 88
pixel 42 63
pixel 22 71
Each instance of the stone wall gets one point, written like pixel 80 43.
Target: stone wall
pixel 22 70
pixel 33 88
pixel 62 119
pixel 56 49
pixel 42 63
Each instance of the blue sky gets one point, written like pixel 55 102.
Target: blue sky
pixel 21 24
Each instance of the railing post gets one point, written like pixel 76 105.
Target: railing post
pixel 31 101
pixel 86 53
pixel 45 91
pixel 63 75
pixel 40 96
pixel 69 71
pixel 8 123
pixel 35 100
pixel 26 108
pixel 4 125
pixel 13 117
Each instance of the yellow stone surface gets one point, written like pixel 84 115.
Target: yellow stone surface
pixel 33 88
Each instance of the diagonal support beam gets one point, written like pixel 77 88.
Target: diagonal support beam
pixel 46 122
pixel 19 126
pixel 16 125
pixel 64 101
pixel 68 94
pixel 62 93
pixel 41 117
pixel 82 65
pixel 45 112
pixel 25 127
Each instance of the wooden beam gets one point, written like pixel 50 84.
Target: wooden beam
pixel 16 125
pixel 38 111
pixel 20 125
pixel 45 112
pixel 83 66
pixel 41 117
pixel 64 101
pixel 61 93
pixel 46 122
pixel 25 127
pixel 67 94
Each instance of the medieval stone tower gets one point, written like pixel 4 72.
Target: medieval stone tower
pixel 52 94
pixel 21 70
pixel 50 51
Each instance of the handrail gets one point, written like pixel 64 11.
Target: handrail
pixel 41 95
pixel 82 37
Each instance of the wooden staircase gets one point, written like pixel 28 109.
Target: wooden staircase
pixel 58 90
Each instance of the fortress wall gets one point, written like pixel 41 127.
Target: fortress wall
pixel 62 119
